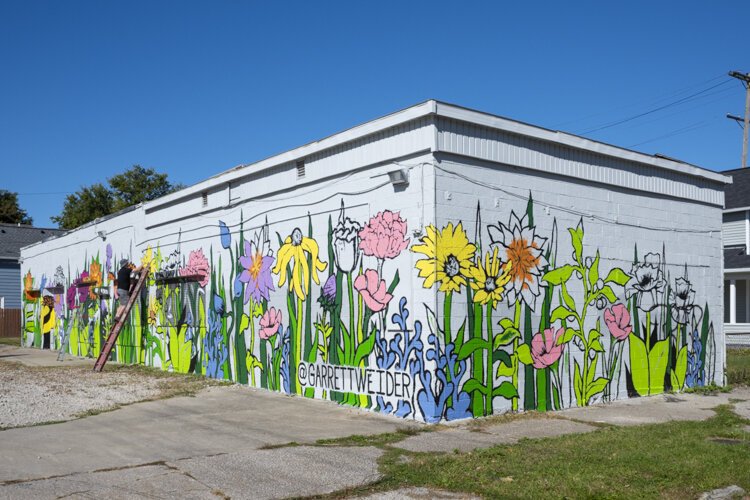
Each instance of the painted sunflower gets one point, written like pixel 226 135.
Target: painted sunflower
pixel 295 246
pixel 449 257
pixel 525 249
pixel 490 279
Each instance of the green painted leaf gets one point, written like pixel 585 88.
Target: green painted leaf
pixel 364 349
pixel 594 271
pixel 608 294
pixel 559 275
pixel 472 345
pixel 617 276
pixel 505 323
pixel 568 299
pixel 560 313
pixel 578 384
pixel 657 360
pixel 524 354
pixel 506 390
pixel 596 345
pixel 503 357
pixel 576 238
pixel 504 370
pixel 680 369
pixel 567 336
pixel 639 365
pixel 596 387
pixel 244 323
pixel 472 385
pixel 506 337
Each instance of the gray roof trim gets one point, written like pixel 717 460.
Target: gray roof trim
pixel 438 108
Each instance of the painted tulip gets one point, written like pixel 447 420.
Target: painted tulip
pixel 270 323
pixel 373 290
pixel 618 321
pixel 345 243
pixel 544 348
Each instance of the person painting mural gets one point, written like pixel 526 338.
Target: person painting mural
pixel 124 285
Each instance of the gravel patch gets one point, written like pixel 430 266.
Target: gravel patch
pixel 36 395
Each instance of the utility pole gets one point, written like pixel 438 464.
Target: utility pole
pixel 745 79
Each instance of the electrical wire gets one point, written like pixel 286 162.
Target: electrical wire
pixel 571 211
pixel 637 103
pixel 683 130
pixel 689 98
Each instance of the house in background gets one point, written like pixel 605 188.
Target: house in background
pixel 736 235
pixel 12 238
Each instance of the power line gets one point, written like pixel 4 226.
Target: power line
pixel 651 111
pixel 689 128
pixel 637 103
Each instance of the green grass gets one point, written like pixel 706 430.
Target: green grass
pixel 738 366
pixel 671 460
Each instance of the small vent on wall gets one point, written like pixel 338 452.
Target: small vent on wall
pixel 300 169
pixel 204 198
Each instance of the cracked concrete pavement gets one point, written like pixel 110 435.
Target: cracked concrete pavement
pixel 233 441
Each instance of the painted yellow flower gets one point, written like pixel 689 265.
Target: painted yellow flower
pixel 294 247
pixel 490 280
pixel 148 261
pixel 449 257
pixel 95 278
pixel 153 309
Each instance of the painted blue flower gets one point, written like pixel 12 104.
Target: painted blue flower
pixel 284 368
pixel 237 287
pixel 213 343
pixel 695 376
pixel 226 236
pixel 218 305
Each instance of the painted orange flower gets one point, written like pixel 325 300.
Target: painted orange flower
pixel 95 278
pixel 525 250
pixel 28 283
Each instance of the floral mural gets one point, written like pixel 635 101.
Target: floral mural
pixel 522 318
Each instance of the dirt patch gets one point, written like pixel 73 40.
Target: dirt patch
pixel 36 395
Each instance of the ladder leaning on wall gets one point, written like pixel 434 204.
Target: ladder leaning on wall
pixel 120 322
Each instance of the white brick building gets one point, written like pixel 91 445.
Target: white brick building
pixel 436 263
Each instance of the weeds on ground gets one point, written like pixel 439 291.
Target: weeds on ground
pixel 738 366
pixel 672 460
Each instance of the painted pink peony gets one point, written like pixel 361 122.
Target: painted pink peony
pixel 544 348
pixel 618 321
pixel 197 265
pixel 373 290
pixel 269 323
pixel 384 236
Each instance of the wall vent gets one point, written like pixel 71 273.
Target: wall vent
pixel 204 198
pixel 300 169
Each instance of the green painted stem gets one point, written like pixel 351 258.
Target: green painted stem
pixel 298 349
pixel 516 324
pixel 542 379
pixel 490 376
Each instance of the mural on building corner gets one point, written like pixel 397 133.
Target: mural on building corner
pixel 523 319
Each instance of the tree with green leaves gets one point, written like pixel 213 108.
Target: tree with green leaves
pixel 135 185
pixel 10 211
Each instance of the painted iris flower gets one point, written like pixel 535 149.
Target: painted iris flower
pixel 449 257
pixel 327 299
pixel 257 262
pixel 294 249
pixel 524 249
pixel 646 282
pixel 490 279
pixel 682 299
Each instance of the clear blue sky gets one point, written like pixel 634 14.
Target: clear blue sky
pixel 88 89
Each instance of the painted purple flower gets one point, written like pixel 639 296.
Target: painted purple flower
pixel 257 262
pixel 83 291
pixel 327 299
pixel 108 264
